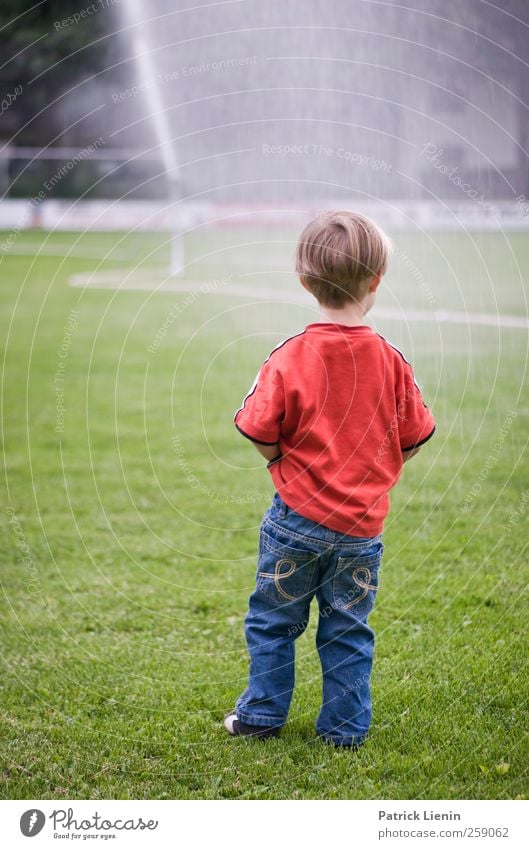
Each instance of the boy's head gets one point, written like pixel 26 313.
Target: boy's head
pixel 338 255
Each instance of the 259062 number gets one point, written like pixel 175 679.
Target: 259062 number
pixel 487 832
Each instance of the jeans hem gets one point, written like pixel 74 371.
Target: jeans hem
pixel 261 721
pixel 338 740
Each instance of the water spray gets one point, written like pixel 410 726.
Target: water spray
pixel 136 24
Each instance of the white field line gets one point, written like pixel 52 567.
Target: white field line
pixel 153 282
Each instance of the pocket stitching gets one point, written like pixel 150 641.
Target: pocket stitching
pixel 268 581
pixel 362 601
pixel 278 575
pixel 271 544
pixel 365 585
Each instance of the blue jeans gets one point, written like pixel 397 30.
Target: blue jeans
pixel 299 559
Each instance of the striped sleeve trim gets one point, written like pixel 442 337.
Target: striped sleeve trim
pixel 399 352
pixel 253 387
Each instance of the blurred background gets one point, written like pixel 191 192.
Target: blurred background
pixel 266 105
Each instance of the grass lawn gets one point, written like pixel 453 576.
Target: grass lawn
pixel 130 525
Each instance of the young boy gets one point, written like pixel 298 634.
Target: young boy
pixel 336 412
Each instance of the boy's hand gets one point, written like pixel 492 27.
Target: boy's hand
pixel 407 455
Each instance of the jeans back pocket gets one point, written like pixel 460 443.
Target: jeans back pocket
pixel 285 574
pixel 355 582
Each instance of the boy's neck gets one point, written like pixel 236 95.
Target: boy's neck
pixel 351 315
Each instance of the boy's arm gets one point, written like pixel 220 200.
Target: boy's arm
pixel 259 419
pixel 416 423
pixel 269 452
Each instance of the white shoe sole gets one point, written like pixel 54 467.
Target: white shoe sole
pixel 228 722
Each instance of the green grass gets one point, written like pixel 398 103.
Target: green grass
pixel 126 579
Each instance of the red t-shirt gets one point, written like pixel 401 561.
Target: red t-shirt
pixel 343 405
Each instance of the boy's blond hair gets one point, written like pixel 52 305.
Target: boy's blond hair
pixel 337 255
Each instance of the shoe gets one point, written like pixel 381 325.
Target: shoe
pixel 237 728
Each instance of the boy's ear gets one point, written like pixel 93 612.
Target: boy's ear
pixel 374 283
pixel 304 283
